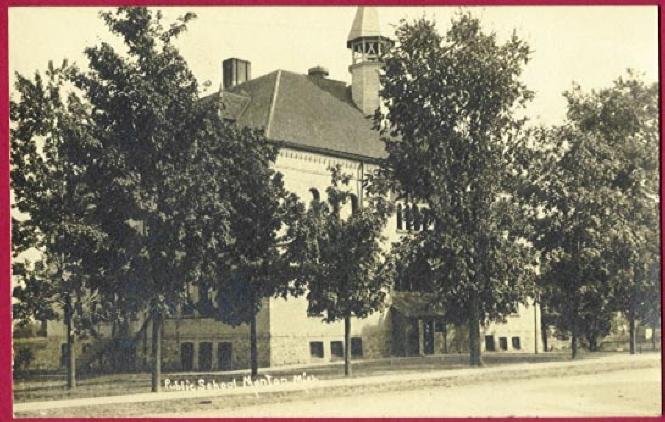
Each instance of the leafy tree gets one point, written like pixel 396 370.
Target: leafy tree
pixel 625 116
pixel 159 151
pixel 172 183
pixel 595 179
pixel 55 206
pixel 340 259
pixel 572 189
pixel 453 145
pixel 254 265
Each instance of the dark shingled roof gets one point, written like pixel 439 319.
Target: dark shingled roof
pixel 304 111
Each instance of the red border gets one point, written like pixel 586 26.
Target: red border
pixel 167 3
pixel 5 296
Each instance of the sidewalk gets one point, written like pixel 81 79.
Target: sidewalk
pixel 387 382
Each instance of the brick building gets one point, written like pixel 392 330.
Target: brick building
pixel 318 122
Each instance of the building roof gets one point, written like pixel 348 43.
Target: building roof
pixel 365 24
pixel 303 111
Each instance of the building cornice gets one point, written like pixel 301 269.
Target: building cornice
pixel 326 151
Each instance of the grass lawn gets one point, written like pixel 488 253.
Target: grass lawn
pixel 54 387
pixel 222 404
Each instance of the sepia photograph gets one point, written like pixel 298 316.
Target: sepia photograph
pixel 334 211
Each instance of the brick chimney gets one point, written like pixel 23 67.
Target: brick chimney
pixel 318 72
pixel 235 71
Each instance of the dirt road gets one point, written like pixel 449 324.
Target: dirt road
pixel 625 392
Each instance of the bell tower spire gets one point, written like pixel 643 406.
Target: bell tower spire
pixel 367 45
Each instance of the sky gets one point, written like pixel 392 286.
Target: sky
pixel 589 45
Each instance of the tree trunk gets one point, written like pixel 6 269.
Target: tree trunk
pixel 253 351
pixel 631 330
pixel 653 336
pixel 156 350
pixel 71 347
pixel 347 346
pixel 543 333
pixel 474 332
pixel 574 345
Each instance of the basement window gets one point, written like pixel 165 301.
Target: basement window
pixel 205 356
pixel 336 349
pixel 356 347
pixel 489 343
pixel 316 349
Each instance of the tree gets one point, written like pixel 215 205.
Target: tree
pixel 625 116
pixel 341 263
pixel 572 191
pixel 55 206
pixel 595 179
pixel 157 151
pixel 173 183
pixel 453 145
pixel 255 264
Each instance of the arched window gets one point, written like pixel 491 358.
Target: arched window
pixel 399 216
pixel 417 219
pixel 315 194
pixel 408 216
pixel 426 218
pixel 354 203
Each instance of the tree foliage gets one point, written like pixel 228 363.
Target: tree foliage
pixel 340 260
pixel 594 185
pixel 156 193
pixel 55 208
pixel 453 144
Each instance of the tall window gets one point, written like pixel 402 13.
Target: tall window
pixel 408 216
pixel 417 219
pixel 426 218
pixel 399 216
pixel 354 203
